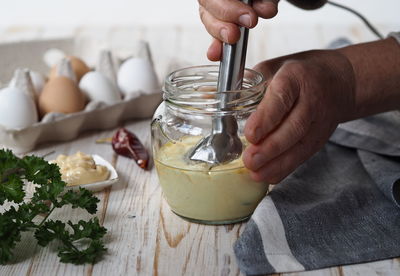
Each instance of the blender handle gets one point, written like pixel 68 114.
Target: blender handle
pixel 232 65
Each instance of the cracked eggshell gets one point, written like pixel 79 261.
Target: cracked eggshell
pixel 17 109
pixel 137 75
pixel 78 66
pixel 98 87
pixel 61 94
pixel 23 81
pixel 38 81
pixel 64 68
pixel 106 65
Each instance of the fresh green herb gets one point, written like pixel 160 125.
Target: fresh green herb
pixel 79 243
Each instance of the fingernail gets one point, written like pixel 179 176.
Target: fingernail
pixel 224 34
pixel 258 160
pixel 245 20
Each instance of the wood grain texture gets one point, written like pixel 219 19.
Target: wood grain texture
pixel 144 237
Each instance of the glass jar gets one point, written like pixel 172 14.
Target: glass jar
pixel 196 190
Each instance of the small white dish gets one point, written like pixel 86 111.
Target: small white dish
pixel 100 185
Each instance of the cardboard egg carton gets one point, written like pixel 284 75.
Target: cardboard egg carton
pixel 64 127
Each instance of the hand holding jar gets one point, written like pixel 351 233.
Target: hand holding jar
pixel 309 94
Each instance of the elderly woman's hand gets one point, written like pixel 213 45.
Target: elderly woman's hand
pixel 222 19
pixel 308 95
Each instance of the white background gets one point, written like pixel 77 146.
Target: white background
pixel 175 33
pixel 177 12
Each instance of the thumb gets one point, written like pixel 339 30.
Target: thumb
pixel 266 8
pixel 282 93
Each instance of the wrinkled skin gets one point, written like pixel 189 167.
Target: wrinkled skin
pixel 222 19
pixel 308 95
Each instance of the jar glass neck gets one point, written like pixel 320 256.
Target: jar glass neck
pixel 194 89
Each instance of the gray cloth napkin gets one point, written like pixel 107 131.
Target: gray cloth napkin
pixel 340 207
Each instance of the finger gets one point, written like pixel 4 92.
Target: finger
pixel 266 8
pixel 277 169
pixel 279 99
pixel 215 50
pixel 293 128
pixel 232 11
pixel 224 31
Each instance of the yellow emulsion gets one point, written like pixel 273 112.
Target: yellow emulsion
pixel 194 190
pixel 80 168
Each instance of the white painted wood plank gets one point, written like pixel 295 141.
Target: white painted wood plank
pixel 380 268
pixel 319 272
pixel 132 216
pixel 185 248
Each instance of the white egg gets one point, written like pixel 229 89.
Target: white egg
pixel 137 75
pixel 98 87
pixel 53 56
pixel 38 81
pixel 17 109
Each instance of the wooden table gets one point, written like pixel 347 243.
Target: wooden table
pixel 144 237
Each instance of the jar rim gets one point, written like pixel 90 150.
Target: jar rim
pixel 180 85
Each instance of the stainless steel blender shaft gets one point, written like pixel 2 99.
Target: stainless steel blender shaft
pixel 223 144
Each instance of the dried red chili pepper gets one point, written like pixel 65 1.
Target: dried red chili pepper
pixel 127 144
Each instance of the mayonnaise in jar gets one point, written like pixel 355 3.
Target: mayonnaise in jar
pixel 224 193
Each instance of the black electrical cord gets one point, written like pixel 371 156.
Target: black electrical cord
pixel 369 25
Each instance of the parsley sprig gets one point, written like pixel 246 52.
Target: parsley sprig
pixel 79 242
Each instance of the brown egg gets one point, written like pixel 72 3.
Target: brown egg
pixel 78 66
pixel 61 94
